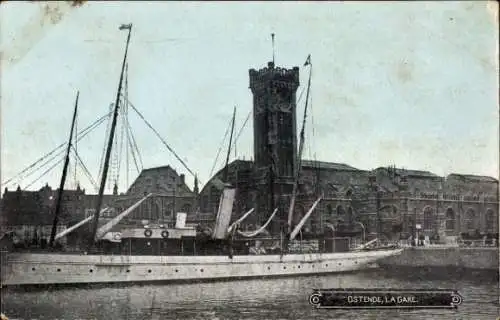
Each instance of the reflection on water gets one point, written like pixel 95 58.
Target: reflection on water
pixel 283 298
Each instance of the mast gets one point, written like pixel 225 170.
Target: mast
pixel 301 147
pixel 125 122
pixel 63 178
pixel 226 169
pixel 110 141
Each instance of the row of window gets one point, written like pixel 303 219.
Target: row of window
pixel 470 219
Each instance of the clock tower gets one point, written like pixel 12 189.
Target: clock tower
pixel 275 137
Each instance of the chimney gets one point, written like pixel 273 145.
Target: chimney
pixel 183 177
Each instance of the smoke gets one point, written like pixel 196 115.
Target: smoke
pixel 49 14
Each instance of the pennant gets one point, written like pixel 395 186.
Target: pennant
pixel 126 26
pixel 308 61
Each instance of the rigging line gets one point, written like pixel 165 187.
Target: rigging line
pixel 135 146
pixel 17 176
pixel 162 140
pixel 132 150
pixel 241 130
pixel 44 173
pixel 122 135
pixel 70 169
pixel 300 95
pixel 220 149
pixel 114 158
pixel 106 139
pixel 43 165
pixel 85 169
pixel 125 120
pixel 313 128
pixel 48 161
pixel 311 140
pixel 80 135
pixel 75 143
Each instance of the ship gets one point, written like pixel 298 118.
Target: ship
pixel 166 253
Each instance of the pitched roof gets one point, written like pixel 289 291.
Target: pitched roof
pixel 471 177
pixel 328 165
pixel 409 173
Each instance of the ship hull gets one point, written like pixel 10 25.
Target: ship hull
pixel 52 269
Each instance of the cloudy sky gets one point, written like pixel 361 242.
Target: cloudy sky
pixel 410 84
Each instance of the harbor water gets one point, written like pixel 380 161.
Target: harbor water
pixel 282 298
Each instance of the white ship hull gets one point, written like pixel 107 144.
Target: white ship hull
pixel 52 269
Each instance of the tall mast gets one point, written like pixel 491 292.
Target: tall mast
pixel 110 141
pixel 63 178
pixel 229 148
pixel 125 122
pixel 301 147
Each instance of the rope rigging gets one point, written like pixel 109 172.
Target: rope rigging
pixel 122 137
pixel 85 170
pixel 75 145
pixel 106 139
pixel 220 149
pixel 239 133
pixel 132 151
pixel 45 173
pixel 22 174
pixel 134 146
pixel 161 139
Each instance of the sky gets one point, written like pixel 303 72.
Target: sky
pixel 411 84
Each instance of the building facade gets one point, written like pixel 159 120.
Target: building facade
pixel 169 195
pixel 385 202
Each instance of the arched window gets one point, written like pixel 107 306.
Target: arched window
pixel 156 210
pixel 169 210
pixel 429 218
pixel 329 210
pixel 349 193
pixel 491 221
pixel 186 208
pixel 340 211
pixel 470 220
pixel 350 216
pixel 450 219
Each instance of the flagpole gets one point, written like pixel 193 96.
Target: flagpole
pixel 272 39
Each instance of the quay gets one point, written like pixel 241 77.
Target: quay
pixel 474 255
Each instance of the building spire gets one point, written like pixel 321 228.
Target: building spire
pixel 196 189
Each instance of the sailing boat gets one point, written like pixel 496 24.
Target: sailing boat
pixel 181 253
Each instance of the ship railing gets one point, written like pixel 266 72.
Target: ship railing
pixel 269 245
pixel 478 243
pixel 483 243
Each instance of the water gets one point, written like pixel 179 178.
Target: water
pixel 284 298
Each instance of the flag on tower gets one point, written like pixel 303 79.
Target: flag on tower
pixel 308 61
pixel 126 26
